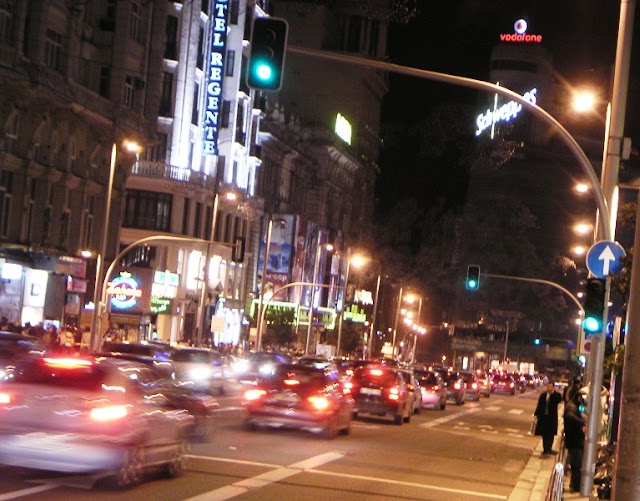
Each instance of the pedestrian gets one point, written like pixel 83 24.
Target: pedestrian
pixel 547 417
pixel 574 428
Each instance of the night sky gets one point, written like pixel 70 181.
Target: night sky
pixel 457 38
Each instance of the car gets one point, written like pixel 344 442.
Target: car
pixel 317 361
pixel 301 397
pixel 90 415
pixel 472 385
pixel 456 389
pixel 200 368
pixel 485 380
pixel 504 383
pixel 13 347
pixel 414 389
pixel 432 388
pixel 260 364
pixel 158 352
pixel 381 391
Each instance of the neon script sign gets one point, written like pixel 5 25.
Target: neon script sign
pixel 213 92
pixel 520 35
pixel 504 113
pixel 125 291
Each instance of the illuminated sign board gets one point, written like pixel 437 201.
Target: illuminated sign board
pixel 213 91
pixel 124 290
pixel 325 316
pixel 502 113
pixel 363 297
pixel 355 314
pixel 520 35
pixel 343 128
pixel 165 284
pixel 161 304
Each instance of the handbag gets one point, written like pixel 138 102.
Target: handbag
pixel 534 422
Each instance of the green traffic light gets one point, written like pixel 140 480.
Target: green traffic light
pixel 592 325
pixel 472 284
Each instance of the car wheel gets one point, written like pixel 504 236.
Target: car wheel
pixel 418 409
pixel 331 428
pixel 354 414
pixel 347 429
pixel 443 406
pixel 407 418
pixel 177 464
pixel 398 419
pixel 131 469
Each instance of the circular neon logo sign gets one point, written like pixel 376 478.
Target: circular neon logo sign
pixel 520 26
pixel 124 291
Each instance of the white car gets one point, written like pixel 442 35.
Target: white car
pixel 90 415
pixel 200 368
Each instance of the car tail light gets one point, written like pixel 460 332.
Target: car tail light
pixel 67 363
pixel 375 372
pixel 254 394
pixel 394 393
pixel 291 382
pixel 347 387
pixel 511 385
pixel 319 402
pixel 436 388
pixel 474 385
pixel 110 413
pixel 6 398
pixel 457 386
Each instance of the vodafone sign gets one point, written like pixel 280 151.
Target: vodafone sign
pixel 520 34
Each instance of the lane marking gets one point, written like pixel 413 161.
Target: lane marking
pixel 516 411
pixel 308 466
pixel 492 408
pixel 445 419
pixel 27 492
pixel 269 477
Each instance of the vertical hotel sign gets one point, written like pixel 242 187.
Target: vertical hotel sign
pixel 213 93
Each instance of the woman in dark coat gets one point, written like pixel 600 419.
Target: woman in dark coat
pixel 574 424
pixel 547 414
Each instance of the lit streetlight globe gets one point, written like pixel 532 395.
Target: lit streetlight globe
pixel 583 101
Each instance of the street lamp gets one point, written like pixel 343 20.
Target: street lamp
pixel 205 282
pixel 316 267
pixel 96 323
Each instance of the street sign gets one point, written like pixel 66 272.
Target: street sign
pixel 604 258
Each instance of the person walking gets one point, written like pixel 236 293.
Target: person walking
pixel 574 428
pixel 547 417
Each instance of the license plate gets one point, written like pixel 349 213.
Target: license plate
pixel 371 391
pixel 289 399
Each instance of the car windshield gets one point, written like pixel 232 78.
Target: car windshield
pixel 296 376
pixel 427 378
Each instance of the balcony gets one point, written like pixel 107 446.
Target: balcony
pixel 161 170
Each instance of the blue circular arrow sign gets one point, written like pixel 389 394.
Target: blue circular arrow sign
pixel 604 258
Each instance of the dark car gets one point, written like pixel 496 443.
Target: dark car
pixel 472 384
pixel 88 415
pixel 381 391
pixel 504 383
pixel 260 364
pixel 301 397
pixel 432 387
pixel 14 347
pixel 151 355
pixel 456 387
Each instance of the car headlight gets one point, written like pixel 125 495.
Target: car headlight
pixel 240 367
pixel 200 373
pixel 266 369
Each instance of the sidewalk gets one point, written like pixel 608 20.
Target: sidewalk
pixel 533 482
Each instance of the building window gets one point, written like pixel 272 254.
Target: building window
pixel 87 223
pixel 127 96
pixel 6 188
pixel 171 44
pixel 207 223
pixel 135 20
pixel 230 63
pixel 11 134
pixel 30 202
pixel 71 159
pixel 105 81
pixel 195 112
pixel 200 58
pixel 148 210
pixel 55 148
pixel 6 22
pixel 157 152
pixel 226 112
pixel 166 104
pixel 186 208
pixel 53 49
pixel 234 12
pixel 65 223
pixel 197 220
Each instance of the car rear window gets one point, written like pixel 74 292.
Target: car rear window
pixel 427 378
pixel 292 376
pixel 376 375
